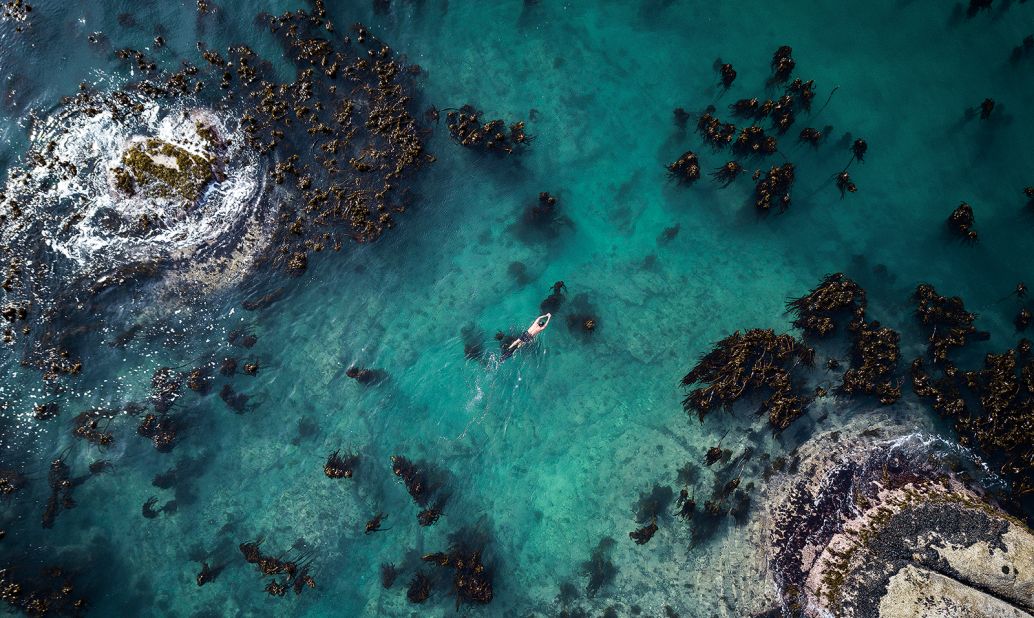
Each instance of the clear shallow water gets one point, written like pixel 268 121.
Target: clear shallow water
pixel 547 453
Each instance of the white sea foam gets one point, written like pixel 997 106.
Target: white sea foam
pixel 84 219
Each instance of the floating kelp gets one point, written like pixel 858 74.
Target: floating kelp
pixel 172 164
pixel 46 411
pixel 17 11
pixel 728 74
pixel 714 131
pixel 783 63
pixel 961 222
pixel 642 536
pixel 374 524
pixel 414 478
pixel 466 127
pixel 1023 319
pixel 858 149
pixel 752 140
pixel 165 386
pixel 295 571
pixel 11 481
pixel 943 393
pixel 472 580
pixel 199 380
pixel 999 419
pixel 583 317
pixel 87 426
pixel 950 325
pixel 61 486
pixel 727 173
pixel 686 504
pixel 875 349
pixel 543 213
pixel 741 364
pixel 431 515
pixel 774 188
pixel 338 467
pixel 810 135
pixel 875 355
pixel 51 594
pixel 804 92
pixel 745 107
pixel 845 184
pixel 837 295
pixel 160 430
pixel 686 169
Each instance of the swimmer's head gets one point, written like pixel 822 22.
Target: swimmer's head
pixel 544 319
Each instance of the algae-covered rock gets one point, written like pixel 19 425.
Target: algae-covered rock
pixel 875 526
pixel 160 168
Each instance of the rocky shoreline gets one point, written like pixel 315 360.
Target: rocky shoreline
pixel 878 519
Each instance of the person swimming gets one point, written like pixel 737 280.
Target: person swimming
pixel 536 327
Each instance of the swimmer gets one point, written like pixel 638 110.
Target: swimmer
pixel 536 327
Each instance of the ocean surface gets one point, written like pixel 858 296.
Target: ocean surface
pixel 546 454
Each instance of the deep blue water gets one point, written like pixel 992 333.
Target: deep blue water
pixel 547 453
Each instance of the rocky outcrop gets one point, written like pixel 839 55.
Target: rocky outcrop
pixel 917 592
pixel 879 526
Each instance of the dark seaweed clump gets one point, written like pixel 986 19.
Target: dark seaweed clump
pixel 755 361
pixel 340 134
pixel 338 467
pixel 11 481
pixel 287 574
pixel 961 222
pixel 416 478
pixel 17 11
pixel 61 485
pixel 53 593
pixel 472 580
pixel 686 168
pixel 772 188
pixel 815 312
pixel 875 348
pixel 947 320
pixel 468 129
pixel 993 409
pixel 874 359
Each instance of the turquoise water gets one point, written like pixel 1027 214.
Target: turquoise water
pixel 546 454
